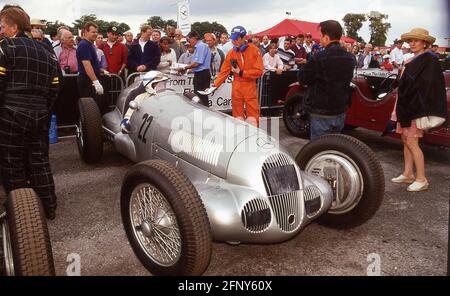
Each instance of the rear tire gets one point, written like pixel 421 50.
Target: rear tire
pixel 165 220
pixel 360 179
pixel 25 233
pixel 89 131
pixel 296 119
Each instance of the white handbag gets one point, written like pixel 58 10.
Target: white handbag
pixel 429 122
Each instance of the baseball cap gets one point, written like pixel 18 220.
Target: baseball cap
pixel 386 56
pixel 308 35
pixel 237 32
pixel 113 29
pixel 316 46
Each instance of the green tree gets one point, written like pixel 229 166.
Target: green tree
pixel 378 29
pixel 79 23
pixel 171 23
pixel 207 27
pixel 353 22
pixel 158 22
pixel 53 27
pixel 102 25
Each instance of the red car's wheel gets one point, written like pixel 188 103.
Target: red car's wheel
pixel 295 118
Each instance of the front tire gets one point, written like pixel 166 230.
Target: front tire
pixel 89 131
pixel 296 119
pixel 353 171
pixel 26 243
pixel 165 220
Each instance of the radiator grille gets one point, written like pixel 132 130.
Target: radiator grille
pixel 283 188
pixel 287 210
pixel 313 201
pixel 279 175
pixel 256 216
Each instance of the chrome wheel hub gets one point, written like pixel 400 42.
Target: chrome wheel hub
pixel 146 229
pixel 154 225
pixel 8 261
pixel 344 177
pixel 79 133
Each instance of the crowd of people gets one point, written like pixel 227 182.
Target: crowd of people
pixel 325 69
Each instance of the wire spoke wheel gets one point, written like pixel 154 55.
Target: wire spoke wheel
pixel 165 220
pixel 155 225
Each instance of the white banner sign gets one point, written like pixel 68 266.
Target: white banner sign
pixel 220 100
pixel 184 19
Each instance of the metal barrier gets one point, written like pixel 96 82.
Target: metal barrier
pixel 66 106
pixel 272 88
pixel 113 85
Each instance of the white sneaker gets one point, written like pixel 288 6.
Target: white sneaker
pixel 418 186
pixel 402 179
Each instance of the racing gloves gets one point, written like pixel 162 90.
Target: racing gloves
pixel 98 87
pixel 125 126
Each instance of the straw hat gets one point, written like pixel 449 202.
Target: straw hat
pixel 419 34
pixel 36 22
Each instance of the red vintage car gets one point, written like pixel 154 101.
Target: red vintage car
pixel 373 101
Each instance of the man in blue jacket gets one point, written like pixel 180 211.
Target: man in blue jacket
pixel 327 76
pixel 144 55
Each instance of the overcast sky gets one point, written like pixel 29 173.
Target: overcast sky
pixel 255 15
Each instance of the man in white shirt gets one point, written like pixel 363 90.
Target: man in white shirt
pixel 186 58
pixel 225 44
pixel 272 61
pixel 308 43
pixel 407 54
pixel 217 55
pixel 397 54
pixel 367 56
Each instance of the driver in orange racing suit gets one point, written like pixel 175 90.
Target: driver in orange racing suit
pixel 246 64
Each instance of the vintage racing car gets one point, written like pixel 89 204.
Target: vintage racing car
pixel 203 175
pixel 26 249
pixel 373 100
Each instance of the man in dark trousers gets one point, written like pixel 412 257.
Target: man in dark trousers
pixel 327 76
pixel 89 66
pixel 28 89
pixel 200 66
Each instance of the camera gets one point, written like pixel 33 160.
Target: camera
pixel 67 70
pixel 234 63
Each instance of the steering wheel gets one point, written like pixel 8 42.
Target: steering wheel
pixel 381 87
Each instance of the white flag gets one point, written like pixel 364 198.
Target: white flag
pixel 184 20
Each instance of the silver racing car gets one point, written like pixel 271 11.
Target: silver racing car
pixel 204 176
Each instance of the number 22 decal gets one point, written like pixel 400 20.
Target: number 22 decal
pixel 147 121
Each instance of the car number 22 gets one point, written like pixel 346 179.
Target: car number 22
pixel 146 123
